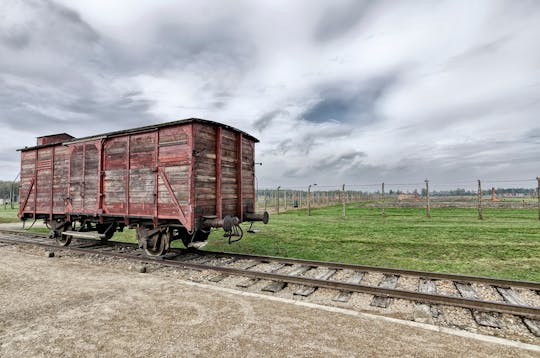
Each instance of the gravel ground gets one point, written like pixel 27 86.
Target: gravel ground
pixel 487 292
pixel 72 306
pixel 511 327
pixel 445 287
pixel 372 278
pixel 529 296
pixel 407 283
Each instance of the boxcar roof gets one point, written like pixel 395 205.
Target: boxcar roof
pixel 146 129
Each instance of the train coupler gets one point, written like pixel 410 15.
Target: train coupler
pixel 252 217
pixel 231 226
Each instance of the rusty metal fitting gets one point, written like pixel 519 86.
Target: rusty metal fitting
pixel 210 222
pixel 226 223
pixel 264 217
pixel 229 222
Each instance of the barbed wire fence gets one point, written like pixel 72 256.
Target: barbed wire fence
pixel 426 197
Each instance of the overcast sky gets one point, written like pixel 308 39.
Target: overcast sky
pixel 337 91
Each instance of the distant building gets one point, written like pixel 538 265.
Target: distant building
pixel 408 196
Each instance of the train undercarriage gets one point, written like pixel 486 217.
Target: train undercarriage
pixel 154 238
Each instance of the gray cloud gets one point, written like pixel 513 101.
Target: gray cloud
pixel 303 143
pixel 266 119
pixel 342 17
pixel 349 101
pixel 353 91
pixel 15 38
pixel 339 161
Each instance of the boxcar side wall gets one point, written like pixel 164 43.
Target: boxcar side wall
pixel 204 169
pixel 248 175
pixel 223 187
pixel 84 169
pixel 43 185
pixel 146 175
pixel 175 163
pixel 27 185
pixel 181 172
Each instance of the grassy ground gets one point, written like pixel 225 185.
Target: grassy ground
pixel 506 244
pixel 8 215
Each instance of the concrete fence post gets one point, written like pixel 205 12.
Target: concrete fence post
pixel 277 200
pixel 265 200
pixel 309 200
pixel 480 214
pixel 343 209
pixel 428 206
pixel 285 197
pixel 382 200
pixel 538 194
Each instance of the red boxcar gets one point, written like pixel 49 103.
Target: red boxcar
pixel 171 181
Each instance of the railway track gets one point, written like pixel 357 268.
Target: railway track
pixel 281 272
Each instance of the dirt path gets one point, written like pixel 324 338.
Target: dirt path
pixel 65 306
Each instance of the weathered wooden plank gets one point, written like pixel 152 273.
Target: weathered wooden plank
pixel 344 296
pixel 488 319
pixel 514 298
pixel 251 281
pixel 276 286
pixel 308 290
pixel 388 281
pixel 424 313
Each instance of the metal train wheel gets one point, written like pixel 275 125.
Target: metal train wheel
pixel 159 245
pixel 63 240
pixel 108 230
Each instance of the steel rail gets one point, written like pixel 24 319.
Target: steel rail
pixel 505 283
pixel 396 271
pixel 488 306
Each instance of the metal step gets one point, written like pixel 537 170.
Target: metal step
pixel 84 235
pixel 197 244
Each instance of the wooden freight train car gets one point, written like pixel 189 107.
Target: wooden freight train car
pixel 170 181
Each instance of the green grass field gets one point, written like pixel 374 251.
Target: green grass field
pixel 506 244
pixel 8 215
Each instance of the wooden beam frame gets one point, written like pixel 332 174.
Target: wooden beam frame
pixel 23 205
pixel 240 198
pixel 182 216
pixel 52 183
pixel 219 201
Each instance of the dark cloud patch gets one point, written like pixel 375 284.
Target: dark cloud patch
pixel 532 136
pixel 39 111
pixel 350 102
pixel 9 154
pixel 505 104
pixel 178 43
pixel 285 146
pixel 339 161
pixel 66 19
pixel 15 38
pixel 47 24
pixel 304 142
pixel 342 17
pixel 61 84
pixel 32 122
pixel 326 169
pixel 266 119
